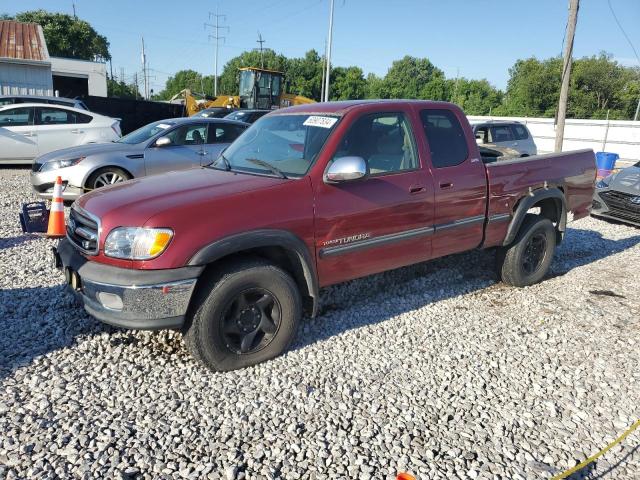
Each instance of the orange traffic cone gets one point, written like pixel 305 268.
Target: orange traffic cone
pixel 56 214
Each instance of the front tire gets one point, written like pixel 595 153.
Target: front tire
pixel 527 260
pixel 107 176
pixel 246 313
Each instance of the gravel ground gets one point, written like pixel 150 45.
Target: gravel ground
pixel 435 369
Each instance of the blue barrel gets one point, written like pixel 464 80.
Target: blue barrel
pixel 605 163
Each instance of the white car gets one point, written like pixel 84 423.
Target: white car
pixel 28 130
pixel 505 134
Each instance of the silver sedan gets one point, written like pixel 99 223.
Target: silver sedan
pixel 174 144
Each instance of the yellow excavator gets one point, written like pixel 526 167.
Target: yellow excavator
pixel 259 88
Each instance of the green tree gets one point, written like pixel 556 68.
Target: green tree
pixel 533 89
pixel 304 75
pixel 598 84
pixel 121 89
pixel 475 97
pixel 185 79
pixel 67 36
pixel 374 87
pixel 413 77
pixel 347 84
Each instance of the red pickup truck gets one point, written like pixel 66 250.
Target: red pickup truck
pixel 234 252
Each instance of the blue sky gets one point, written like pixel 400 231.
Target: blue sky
pixel 475 38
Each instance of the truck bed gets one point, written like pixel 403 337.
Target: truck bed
pixel 510 180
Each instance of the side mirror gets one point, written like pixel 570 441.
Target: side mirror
pixel 163 142
pixel 479 139
pixel 345 169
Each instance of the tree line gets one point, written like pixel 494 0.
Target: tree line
pixel 599 84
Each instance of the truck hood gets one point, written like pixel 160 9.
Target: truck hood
pixel 134 202
pixel 90 149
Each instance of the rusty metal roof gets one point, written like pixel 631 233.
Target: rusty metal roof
pixel 22 41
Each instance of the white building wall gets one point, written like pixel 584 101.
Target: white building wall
pixel 25 79
pixel 616 136
pixel 95 72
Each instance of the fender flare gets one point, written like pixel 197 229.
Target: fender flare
pixel 527 202
pixel 264 238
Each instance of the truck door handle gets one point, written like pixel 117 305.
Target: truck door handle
pixel 446 185
pixel 201 153
pixel 416 189
pixel 29 134
pixel 76 131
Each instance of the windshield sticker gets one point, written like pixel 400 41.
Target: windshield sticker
pixel 323 122
pixel 163 126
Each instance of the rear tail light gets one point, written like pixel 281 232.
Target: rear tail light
pixel 116 128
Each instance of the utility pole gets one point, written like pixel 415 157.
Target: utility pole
pixel 566 72
pixel 145 79
pixel 261 41
pixel 328 60
pixel 135 81
pixel 74 11
pixel 217 27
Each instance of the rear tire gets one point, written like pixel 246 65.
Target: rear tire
pixel 244 314
pixel 527 260
pixel 106 176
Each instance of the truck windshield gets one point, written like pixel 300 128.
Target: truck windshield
pixel 145 133
pixel 291 143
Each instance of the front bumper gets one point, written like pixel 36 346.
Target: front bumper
pixel 43 182
pixel 618 211
pixel 138 299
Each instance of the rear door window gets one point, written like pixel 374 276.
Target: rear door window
pixel 501 133
pixel 447 141
pixel 54 116
pixel 222 133
pixel 16 117
pixel 519 132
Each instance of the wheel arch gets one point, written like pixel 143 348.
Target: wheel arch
pixel 280 247
pixel 552 204
pixel 97 168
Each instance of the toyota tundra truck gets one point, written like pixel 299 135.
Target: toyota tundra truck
pixel 234 253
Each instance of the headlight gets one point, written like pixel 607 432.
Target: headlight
pixel 603 183
pixel 56 164
pixel 134 243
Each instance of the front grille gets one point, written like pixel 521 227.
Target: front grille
pixel 83 230
pixel 621 206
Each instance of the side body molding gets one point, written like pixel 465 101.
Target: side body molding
pixel 297 250
pixel 527 202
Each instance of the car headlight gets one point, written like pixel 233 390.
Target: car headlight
pixel 603 183
pixel 135 243
pixel 63 163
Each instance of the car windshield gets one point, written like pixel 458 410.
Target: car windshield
pixel 290 143
pixel 145 133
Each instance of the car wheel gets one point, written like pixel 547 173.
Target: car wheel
pixel 107 176
pixel 246 313
pixel 527 260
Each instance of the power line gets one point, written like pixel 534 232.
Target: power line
pixel 615 17
pixel 217 37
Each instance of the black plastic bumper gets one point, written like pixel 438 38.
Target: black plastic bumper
pixel 138 299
